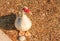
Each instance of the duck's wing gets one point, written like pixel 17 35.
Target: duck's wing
pixel 18 23
pixel 19 20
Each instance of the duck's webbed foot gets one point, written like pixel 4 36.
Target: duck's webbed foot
pixel 25 33
pixel 28 34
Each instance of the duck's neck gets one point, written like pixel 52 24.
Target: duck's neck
pixel 22 14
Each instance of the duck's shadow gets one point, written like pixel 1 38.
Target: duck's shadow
pixel 7 22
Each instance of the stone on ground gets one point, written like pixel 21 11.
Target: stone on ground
pixel 4 37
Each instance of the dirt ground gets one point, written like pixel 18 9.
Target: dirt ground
pixel 45 18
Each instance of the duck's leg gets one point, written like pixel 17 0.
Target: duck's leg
pixel 21 33
pixel 27 33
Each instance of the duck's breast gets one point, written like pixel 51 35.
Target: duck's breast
pixel 25 23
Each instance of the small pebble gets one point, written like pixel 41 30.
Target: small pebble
pixel 22 38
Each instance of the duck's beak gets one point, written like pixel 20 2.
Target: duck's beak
pixel 30 13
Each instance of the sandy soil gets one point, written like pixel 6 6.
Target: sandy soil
pixel 45 18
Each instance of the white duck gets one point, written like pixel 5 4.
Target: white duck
pixel 22 22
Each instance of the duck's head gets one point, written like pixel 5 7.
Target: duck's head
pixel 27 10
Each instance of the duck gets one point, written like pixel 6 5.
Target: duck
pixel 23 22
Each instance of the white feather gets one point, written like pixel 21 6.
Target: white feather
pixel 23 23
